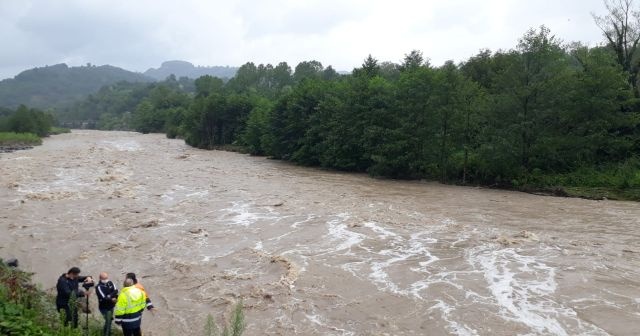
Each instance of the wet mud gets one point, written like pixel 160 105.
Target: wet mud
pixel 312 252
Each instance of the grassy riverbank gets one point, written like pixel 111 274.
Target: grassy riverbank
pixel 24 128
pixel 18 140
pixel 12 139
pixel 620 181
pixel 27 310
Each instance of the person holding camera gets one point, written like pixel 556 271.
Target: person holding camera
pixel 107 293
pixel 66 287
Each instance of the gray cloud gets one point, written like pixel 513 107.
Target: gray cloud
pixel 141 34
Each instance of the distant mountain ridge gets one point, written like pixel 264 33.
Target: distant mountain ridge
pixel 187 69
pixel 60 85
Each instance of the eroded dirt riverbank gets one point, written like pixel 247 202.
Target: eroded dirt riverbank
pixel 314 252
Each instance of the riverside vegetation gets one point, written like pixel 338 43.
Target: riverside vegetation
pixel 27 310
pixel 544 116
pixel 25 127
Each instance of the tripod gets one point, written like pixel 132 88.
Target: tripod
pixel 87 310
pixel 86 321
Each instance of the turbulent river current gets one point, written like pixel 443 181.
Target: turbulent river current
pixel 312 252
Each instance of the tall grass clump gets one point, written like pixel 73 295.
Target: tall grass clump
pixel 234 327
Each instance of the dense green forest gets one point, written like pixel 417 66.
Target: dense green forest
pixel 58 86
pixel 543 115
pixel 112 106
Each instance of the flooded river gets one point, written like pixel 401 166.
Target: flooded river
pixel 313 252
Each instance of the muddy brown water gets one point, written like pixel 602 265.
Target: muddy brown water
pixel 313 252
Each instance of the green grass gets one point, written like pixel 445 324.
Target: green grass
pixel 619 181
pixel 19 139
pixel 629 194
pixel 58 130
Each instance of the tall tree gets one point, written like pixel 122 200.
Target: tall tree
pixel 412 60
pixel 621 28
pixel 370 68
pixel 282 75
pixel 525 90
pixel 307 69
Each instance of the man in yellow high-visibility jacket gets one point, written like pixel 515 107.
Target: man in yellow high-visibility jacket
pixel 129 307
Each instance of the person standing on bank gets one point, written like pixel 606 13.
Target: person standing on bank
pixel 129 307
pixel 107 293
pixel 66 287
pixel 138 285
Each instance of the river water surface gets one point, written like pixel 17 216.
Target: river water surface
pixel 313 252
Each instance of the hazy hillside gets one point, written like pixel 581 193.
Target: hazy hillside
pixel 186 69
pixel 59 85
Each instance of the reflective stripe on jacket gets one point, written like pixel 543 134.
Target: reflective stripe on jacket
pixel 129 308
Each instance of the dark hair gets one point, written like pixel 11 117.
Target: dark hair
pixel 132 276
pixel 74 270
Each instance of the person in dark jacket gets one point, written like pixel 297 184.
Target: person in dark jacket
pixel 107 293
pixel 67 286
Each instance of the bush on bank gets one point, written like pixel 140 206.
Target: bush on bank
pixel 27 310
pixel 25 126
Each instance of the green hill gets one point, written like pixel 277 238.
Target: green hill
pixel 59 85
pixel 186 69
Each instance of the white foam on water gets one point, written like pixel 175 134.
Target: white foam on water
pixel 341 235
pixel 168 197
pixel 415 248
pixel 199 194
pixel 523 287
pixel 382 232
pixel 34 188
pixel 295 225
pixel 67 180
pixel 259 246
pixel 513 293
pixel 399 250
pixel 207 258
pixel 453 326
pixel 242 214
pixel 317 320
pixel 124 145
pixel 179 194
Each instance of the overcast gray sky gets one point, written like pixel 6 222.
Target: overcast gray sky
pixel 140 34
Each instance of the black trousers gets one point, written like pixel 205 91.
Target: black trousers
pixel 132 332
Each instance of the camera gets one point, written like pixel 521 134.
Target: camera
pixel 88 284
